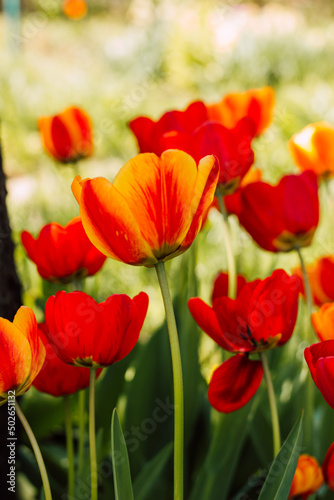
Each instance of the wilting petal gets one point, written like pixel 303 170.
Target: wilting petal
pixel 234 383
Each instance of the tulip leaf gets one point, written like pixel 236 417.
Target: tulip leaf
pixel 229 435
pixel 278 482
pixel 120 461
pixel 150 475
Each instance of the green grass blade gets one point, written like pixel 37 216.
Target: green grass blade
pixel 120 461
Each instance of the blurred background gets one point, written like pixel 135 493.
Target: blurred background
pixel 143 57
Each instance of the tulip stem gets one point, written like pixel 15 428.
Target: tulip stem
pixel 232 274
pixel 272 403
pixel 37 451
pixel 307 285
pixel 69 445
pixel 178 382
pixel 92 439
pixel 81 448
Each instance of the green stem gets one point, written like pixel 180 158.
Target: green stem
pixel 272 404
pixel 310 387
pixel 37 451
pixel 69 445
pixel 81 449
pixel 92 439
pixel 308 292
pixel 178 382
pixel 232 274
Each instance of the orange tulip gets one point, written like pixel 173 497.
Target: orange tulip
pixel 321 278
pixel 257 104
pixel 22 353
pixel 67 137
pixel 307 479
pixel 323 322
pixel 152 211
pixel 75 9
pixel 313 148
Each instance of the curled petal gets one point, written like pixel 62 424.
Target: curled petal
pixel 234 383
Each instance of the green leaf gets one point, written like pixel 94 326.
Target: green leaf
pixel 214 478
pixel 278 483
pixel 120 461
pixel 150 475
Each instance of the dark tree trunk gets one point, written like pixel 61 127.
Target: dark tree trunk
pixel 10 301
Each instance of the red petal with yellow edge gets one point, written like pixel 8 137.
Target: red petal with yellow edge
pixel 25 321
pixel 44 125
pixel 159 193
pixel 234 383
pixel 206 183
pixel 110 224
pixel 15 357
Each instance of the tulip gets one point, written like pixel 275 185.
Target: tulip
pixel 85 333
pixel 328 467
pixel 320 360
pixel 256 104
pixel 220 286
pixel 307 479
pixel 150 134
pixel 63 254
pixel 312 149
pixel 232 147
pixel 56 377
pixel 22 353
pixel 67 137
pixel 262 317
pixel 153 210
pixel 75 9
pixel 323 322
pixel 282 217
pixel 321 278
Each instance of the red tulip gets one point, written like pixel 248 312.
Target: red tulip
pixel 321 278
pixel 56 377
pixel 22 353
pixel 282 217
pixel 307 479
pixel 232 147
pixel 153 210
pixel 150 134
pixel 328 467
pixel 63 254
pixel 85 333
pixel 320 360
pixel 257 104
pixel 68 136
pixel 220 286
pixel 262 316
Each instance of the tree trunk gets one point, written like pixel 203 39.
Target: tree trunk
pixel 10 301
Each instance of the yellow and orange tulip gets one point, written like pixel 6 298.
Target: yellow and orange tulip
pixel 323 322
pixel 313 148
pixel 307 479
pixel 257 104
pixel 68 136
pixel 22 353
pixel 152 211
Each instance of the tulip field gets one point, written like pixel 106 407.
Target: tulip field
pixel 167 330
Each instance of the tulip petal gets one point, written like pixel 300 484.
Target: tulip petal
pixel 234 383
pixel 160 193
pixel 110 224
pixel 206 319
pixel 15 357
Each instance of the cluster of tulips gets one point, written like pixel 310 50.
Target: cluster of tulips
pixel 190 162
